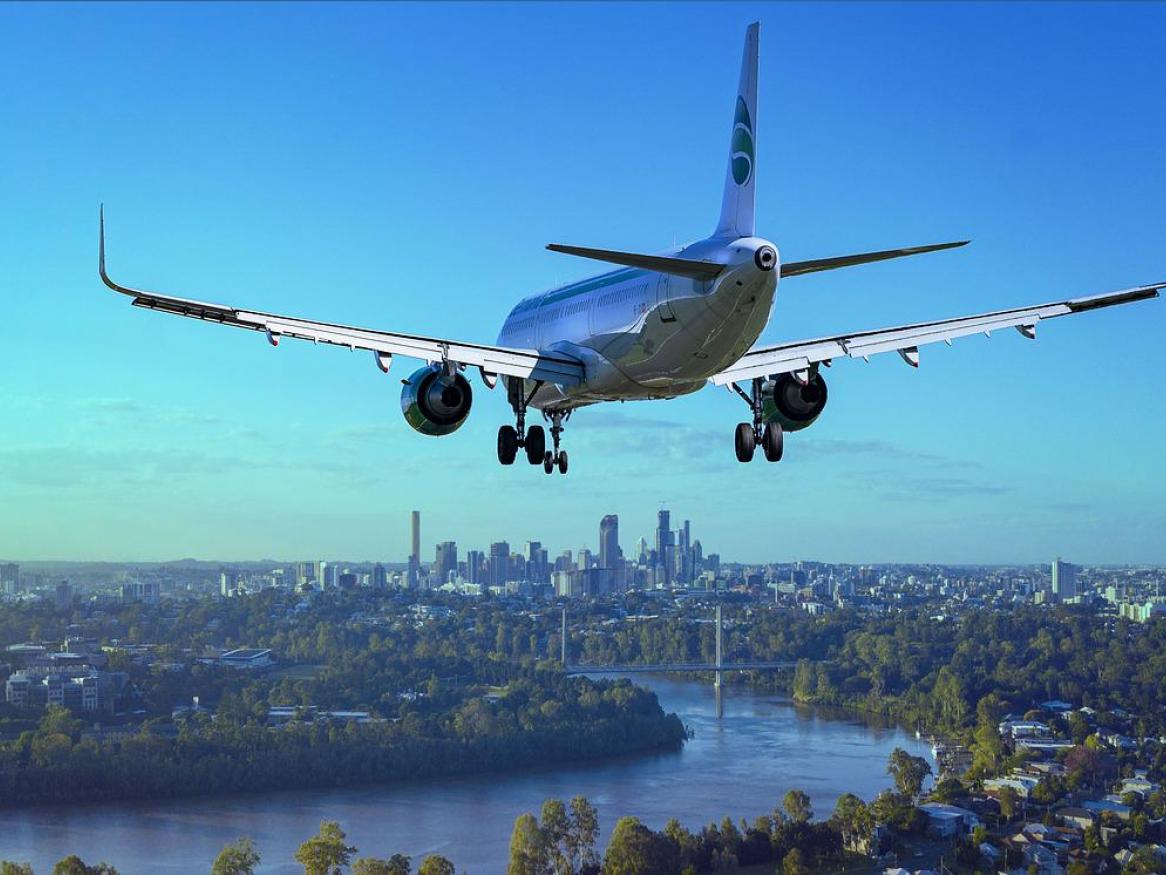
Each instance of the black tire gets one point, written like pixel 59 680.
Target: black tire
pixel 548 463
pixel 745 442
pixel 507 445
pixel 536 444
pixel 773 441
pixel 562 462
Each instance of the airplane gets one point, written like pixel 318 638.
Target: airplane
pixel 660 326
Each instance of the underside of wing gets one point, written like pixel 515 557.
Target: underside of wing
pixel 524 363
pixel 801 355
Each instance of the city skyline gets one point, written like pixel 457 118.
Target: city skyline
pixel 169 443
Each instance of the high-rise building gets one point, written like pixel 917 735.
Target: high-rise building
pixel 499 563
pixel 664 547
pixel 64 595
pixel 609 552
pixel 9 578
pixel 475 561
pixel 414 573
pixel 228 583
pixel 1064 580
pixel 584 559
pixel 445 562
pixel 380 578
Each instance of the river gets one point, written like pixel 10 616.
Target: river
pixel 740 765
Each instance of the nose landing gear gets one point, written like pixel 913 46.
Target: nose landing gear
pixel 748 435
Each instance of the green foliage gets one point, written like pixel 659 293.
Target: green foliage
pixel 909 772
pixel 325 853
pixel 10 868
pixel 453 728
pixel 528 847
pixel 398 864
pixel 238 858
pixel 797 805
pixel 794 863
pixel 636 850
pixel 74 865
pixel 435 864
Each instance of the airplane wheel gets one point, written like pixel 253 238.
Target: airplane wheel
pixel 536 444
pixel 745 442
pixel 507 444
pixel 548 463
pixel 563 462
pixel 773 441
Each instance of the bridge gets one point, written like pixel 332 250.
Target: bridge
pixel 678 667
pixel 718 667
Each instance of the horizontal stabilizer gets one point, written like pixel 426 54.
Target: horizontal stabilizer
pixel 697 270
pixel 796 268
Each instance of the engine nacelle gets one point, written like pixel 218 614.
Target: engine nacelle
pixel 793 405
pixel 435 403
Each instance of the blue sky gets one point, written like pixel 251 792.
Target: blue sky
pixel 402 166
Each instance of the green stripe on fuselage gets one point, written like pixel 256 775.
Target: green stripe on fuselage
pixel 582 287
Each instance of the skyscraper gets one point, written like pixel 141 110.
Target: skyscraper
pixel 415 550
pixel 9 578
pixel 380 579
pixel 499 563
pixel 1064 580
pixel 664 548
pixel 609 541
pixel 445 561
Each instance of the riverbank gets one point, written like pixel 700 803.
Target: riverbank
pixel 740 765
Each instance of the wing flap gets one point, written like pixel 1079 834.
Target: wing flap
pixel 789 357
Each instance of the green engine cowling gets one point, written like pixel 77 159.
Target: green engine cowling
pixel 434 402
pixel 792 405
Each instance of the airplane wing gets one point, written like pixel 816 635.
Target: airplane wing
pixel 796 358
pixel 526 363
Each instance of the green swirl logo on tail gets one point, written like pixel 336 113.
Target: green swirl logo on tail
pixel 741 145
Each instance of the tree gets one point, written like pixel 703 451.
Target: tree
pixel 794 863
pixel 528 848
pixel 908 771
pixel 325 853
pixel 636 850
pixel 1008 800
pixel 398 864
pixel 582 834
pixel 435 864
pixel 797 806
pixel 238 858
pixel 9 868
pixel 74 865
pixel 554 824
pixel 854 820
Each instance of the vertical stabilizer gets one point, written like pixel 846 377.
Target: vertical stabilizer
pixel 741 176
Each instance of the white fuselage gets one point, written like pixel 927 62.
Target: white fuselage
pixel 642 334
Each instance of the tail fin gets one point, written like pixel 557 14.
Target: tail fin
pixel 741 176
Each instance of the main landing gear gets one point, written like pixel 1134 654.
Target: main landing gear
pixel 532 441
pixel 768 434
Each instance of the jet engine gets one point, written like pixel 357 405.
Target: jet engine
pixel 434 402
pixel 794 405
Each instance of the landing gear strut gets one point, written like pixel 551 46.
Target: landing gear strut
pixel 512 438
pixel 558 458
pixel 748 436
